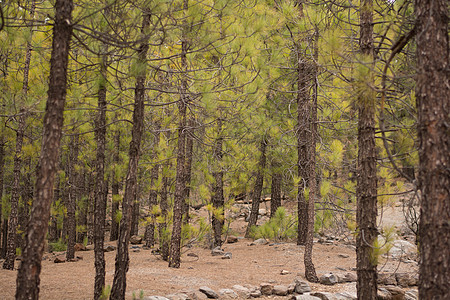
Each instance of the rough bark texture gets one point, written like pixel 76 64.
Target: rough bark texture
pixel 15 195
pixel 275 194
pixel 114 234
pixel 257 190
pixel 164 206
pixel 188 170
pixel 366 190
pixel 122 259
pixel 72 197
pixel 180 184
pixel 30 268
pixel 217 191
pixel 433 106
pixel 2 172
pixel 100 186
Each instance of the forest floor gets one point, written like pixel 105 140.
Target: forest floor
pixel 250 265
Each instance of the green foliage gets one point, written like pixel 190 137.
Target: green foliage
pixel 106 292
pixel 57 246
pixel 282 227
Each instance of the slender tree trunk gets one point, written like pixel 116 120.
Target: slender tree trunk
pixel 188 170
pixel 366 190
pixel 114 234
pixel 257 191
pixel 180 184
pixel 217 192
pixel 136 209
pixel 433 106
pixel 149 236
pixel 30 268
pixel 83 206
pixel 275 194
pixel 15 195
pixel 310 271
pixel 72 198
pixel 2 172
pixel 122 259
pixel 164 205
pixel 100 186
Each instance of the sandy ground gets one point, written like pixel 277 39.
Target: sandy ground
pixel 148 273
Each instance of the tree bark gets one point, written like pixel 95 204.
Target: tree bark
pixel 433 106
pixel 100 186
pixel 114 234
pixel 188 170
pixel 72 197
pixel 164 206
pixel 30 268
pixel 122 259
pixel 257 190
pixel 275 194
pixel 2 172
pixel 366 190
pixel 217 192
pixel 180 184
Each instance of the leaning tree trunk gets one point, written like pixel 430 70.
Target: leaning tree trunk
pixel 218 215
pixel 366 190
pixel 433 106
pixel 100 186
pixel 122 259
pixel 257 190
pixel 275 194
pixel 30 268
pixel 114 233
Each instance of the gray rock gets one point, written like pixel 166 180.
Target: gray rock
pixel 285 272
pixel 262 212
pixel 217 252
pixel 396 292
pixel 59 259
pixel 412 295
pixel 228 294
pixel 256 293
pixel 232 239
pixel 280 290
pixel 324 296
pixel 387 279
pixel 193 294
pixel 383 294
pixel 135 240
pixel 349 277
pixel 266 288
pixel 328 279
pixel 301 286
pixel 243 292
pixel 227 255
pixel 110 248
pixel 346 296
pixel 259 242
pixel 403 249
pixel 304 297
pixel 291 288
pixel 343 256
pixel 208 292
pixel 406 279
pixel 156 298
pixel 178 296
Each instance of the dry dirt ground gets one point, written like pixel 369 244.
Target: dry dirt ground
pixel 148 273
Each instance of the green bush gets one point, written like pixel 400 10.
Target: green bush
pixel 57 246
pixel 281 227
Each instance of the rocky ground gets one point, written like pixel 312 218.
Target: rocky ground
pixel 243 269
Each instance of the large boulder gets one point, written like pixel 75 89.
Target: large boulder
pixel 211 294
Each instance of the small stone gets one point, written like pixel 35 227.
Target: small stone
pixel 232 239
pixel 243 292
pixel 405 279
pixel 255 293
pixel 135 240
pixel 396 292
pixel 208 292
pixel 110 248
pixel 192 254
pixel 227 255
pixel 136 250
pixel 345 296
pixel 262 212
pixel 328 279
pixel 217 252
pixel 343 256
pixel 412 295
pixel 291 288
pixel 259 242
pixel 301 286
pixel 228 294
pixel 383 294
pixel 387 279
pixel 285 272
pixel 178 296
pixel 304 297
pixel 266 288
pixel 79 247
pixel 59 259
pixel 155 298
pixel 350 277
pixel 280 290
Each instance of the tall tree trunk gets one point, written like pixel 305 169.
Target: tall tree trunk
pixel 2 172
pixel 275 194
pixel 30 268
pixel 122 259
pixel 257 190
pixel 72 197
pixel 149 235
pixel 83 200
pixel 188 170
pixel 433 106
pixel 15 195
pixel 136 209
pixel 366 190
pixel 164 206
pixel 180 184
pixel 310 271
pixel 217 192
pixel 114 234
pixel 100 186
